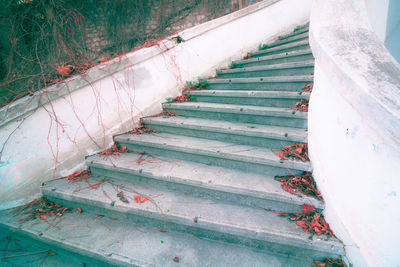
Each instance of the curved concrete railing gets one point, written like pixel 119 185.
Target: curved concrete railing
pixel 62 124
pixel 354 131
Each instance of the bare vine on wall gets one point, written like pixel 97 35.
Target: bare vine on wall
pixel 44 41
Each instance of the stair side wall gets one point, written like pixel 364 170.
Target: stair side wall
pixel 354 131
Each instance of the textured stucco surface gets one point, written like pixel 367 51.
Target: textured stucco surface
pixel 354 131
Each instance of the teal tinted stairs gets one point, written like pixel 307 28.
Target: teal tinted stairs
pixel 207 178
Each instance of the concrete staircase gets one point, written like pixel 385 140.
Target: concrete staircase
pixel 208 175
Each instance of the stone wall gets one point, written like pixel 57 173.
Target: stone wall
pixel 163 20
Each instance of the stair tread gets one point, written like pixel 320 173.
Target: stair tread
pixel 176 207
pixel 294 134
pixel 289 78
pixel 302 29
pixel 240 109
pixel 308 63
pixel 281 47
pixel 213 148
pixel 125 243
pixel 250 94
pixel 202 176
pixel 301 35
pixel 275 56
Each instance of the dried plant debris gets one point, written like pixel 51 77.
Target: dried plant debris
pixel 122 197
pixel 307 88
pixel 310 221
pixel 78 176
pixel 180 99
pixel 295 151
pixel 43 209
pixel 330 262
pixel 165 113
pixel 114 150
pixel 303 183
pixel 141 129
pixel 302 105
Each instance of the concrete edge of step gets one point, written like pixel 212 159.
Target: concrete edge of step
pixel 273 162
pixel 274 56
pixel 214 188
pixel 243 110
pixel 281 66
pixel 273 79
pixel 250 94
pixel 280 47
pixel 282 135
pixel 213 228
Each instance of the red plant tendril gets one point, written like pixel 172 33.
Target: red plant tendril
pixel 44 209
pixel 78 176
pixel 141 129
pixel 165 113
pixel 310 221
pixel 301 105
pixel 114 150
pixel 144 157
pixel 295 151
pixel 307 88
pixel 303 183
pixel 330 262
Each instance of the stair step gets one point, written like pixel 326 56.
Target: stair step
pixel 286 57
pixel 240 113
pixel 216 153
pixel 294 33
pixel 177 212
pixel 238 133
pixel 295 46
pixel 279 83
pixel 298 37
pixel 122 242
pixel 210 182
pixel 283 99
pixel 18 243
pixel 284 69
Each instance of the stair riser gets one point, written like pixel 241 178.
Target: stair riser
pixel 259 86
pixel 296 33
pixel 225 137
pixel 199 229
pixel 214 159
pixel 251 101
pixel 243 118
pixel 269 73
pixel 206 191
pixel 262 62
pixel 296 38
pixel 276 50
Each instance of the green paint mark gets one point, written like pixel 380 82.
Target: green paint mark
pixel 162 241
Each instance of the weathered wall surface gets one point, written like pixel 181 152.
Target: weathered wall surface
pixel 86 111
pixel 354 131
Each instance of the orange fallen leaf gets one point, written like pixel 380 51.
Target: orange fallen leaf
pixel 141 199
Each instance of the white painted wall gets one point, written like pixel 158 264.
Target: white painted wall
pixel 378 15
pixel 120 92
pixel 354 132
